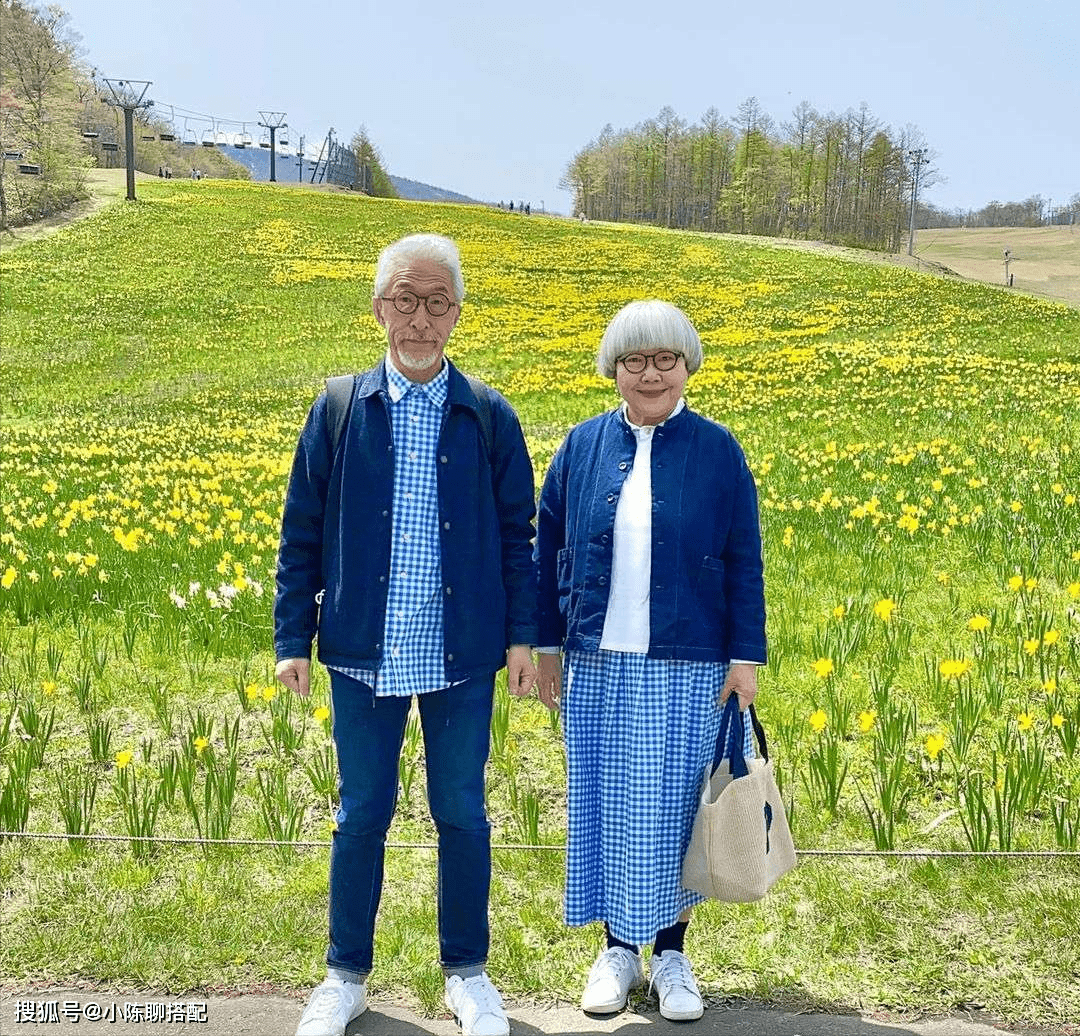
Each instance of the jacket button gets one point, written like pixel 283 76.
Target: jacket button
pixel 390 449
pixel 602 580
pixel 382 579
pixel 604 538
pixel 623 466
pixel 378 647
pixel 449 591
pixel 442 459
pixel 446 525
pixel 450 658
pixel 386 514
pixel 611 498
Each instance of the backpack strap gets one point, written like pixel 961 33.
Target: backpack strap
pixel 483 395
pixel 339 396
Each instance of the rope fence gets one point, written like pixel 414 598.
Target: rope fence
pixel 1046 854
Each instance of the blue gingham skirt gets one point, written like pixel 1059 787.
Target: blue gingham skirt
pixel 639 733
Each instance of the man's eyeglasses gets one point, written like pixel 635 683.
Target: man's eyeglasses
pixel 635 363
pixel 437 304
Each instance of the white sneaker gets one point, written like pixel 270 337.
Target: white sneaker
pixel 614 973
pixel 477 1006
pixel 332 1006
pixel 676 987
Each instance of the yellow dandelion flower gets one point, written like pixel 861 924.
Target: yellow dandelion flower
pixel 1016 583
pixel 1050 686
pixel 1051 637
pixel 7 580
pixel 1057 721
pixel 954 668
pixel 934 744
pixel 1016 506
pixel 49 686
pixel 123 758
pixel 1032 645
pixel 818 721
pixel 884 609
pixel 823 667
pixel 977 623
pixel 268 692
pixel 200 744
pixel 1031 583
pixel 866 721
pixel 322 713
pixel 1074 590
pixel 1025 720
pixel 839 611
pixel 251 691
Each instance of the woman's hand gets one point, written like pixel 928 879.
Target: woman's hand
pixel 549 679
pixel 741 680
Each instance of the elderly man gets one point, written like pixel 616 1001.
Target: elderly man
pixel 405 545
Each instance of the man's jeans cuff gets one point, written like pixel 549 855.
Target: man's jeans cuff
pixel 344 975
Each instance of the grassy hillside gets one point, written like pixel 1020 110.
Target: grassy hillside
pixel 915 445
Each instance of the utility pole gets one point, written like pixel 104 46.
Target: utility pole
pixel 273 121
pixel 300 160
pixel 127 95
pixel 918 155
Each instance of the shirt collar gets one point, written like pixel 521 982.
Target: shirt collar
pixel 636 428
pixel 435 389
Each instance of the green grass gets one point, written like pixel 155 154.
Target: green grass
pixel 913 440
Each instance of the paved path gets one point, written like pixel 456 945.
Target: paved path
pixel 87 1013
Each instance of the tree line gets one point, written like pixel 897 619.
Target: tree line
pixel 1035 211
pixel 842 178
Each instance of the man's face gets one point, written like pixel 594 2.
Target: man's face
pixel 417 339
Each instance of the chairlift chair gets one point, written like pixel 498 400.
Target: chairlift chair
pixel 12 156
pixel 264 140
pixel 169 132
pixel 189 134
pixel 222 138
pixel 244 139
pixel 109 145
pixel 208 138
pixel 90 134
pixel 149 136
pixel 283 140
pixel 31 168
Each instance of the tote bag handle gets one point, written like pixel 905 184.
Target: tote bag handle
pixel 730 737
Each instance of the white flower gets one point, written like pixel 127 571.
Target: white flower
pixel 176 599
pixel 228 591
pixel 194 588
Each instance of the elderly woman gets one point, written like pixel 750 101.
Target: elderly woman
pixel 650 581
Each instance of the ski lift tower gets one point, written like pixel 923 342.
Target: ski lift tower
pixel 273 121
pixel 128 94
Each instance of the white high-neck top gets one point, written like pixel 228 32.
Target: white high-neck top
pixel 626 624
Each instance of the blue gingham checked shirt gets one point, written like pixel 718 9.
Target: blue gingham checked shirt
pixel 412 661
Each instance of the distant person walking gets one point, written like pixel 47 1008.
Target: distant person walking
pixel 407 549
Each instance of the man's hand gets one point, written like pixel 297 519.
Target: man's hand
pixel 520 671
pixel 549 680
pixel 295 673
pixel 742 680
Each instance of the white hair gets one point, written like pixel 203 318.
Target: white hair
pixel 650 324
pixel 396 257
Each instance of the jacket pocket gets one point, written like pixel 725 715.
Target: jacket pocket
pixel 564 571
pixel 710 592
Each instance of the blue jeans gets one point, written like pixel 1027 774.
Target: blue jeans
pixel 368 733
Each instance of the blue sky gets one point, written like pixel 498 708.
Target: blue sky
pixel 493 100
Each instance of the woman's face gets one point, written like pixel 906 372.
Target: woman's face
pixel 651 394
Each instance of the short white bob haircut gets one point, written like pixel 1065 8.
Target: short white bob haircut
pixel 650 324
pixel 400 255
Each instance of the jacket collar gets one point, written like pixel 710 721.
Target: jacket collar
pixel 458 390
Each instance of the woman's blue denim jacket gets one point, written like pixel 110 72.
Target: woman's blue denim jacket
pixel 707 599
pixel 335 534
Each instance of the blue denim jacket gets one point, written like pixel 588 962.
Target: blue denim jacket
pixel 707 599
pixel 335 534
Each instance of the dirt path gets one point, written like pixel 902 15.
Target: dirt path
pixel 105 186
